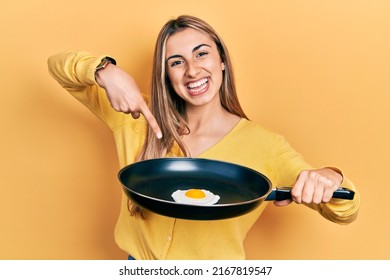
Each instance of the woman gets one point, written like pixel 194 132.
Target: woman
pixel 194 112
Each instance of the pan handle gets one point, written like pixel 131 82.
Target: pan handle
pixel 285 193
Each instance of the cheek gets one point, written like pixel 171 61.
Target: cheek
pixel 218 74
pixel 176 84
pixel 215 66
pixel 174 78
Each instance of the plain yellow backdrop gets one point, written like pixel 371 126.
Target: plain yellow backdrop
pixel 317 72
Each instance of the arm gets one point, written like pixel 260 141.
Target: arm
pixel 124 94
pixel 76 72
pixel 315 187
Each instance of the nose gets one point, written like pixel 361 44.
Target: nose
pixel 192 69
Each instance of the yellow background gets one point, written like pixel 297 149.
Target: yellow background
pixel 317 72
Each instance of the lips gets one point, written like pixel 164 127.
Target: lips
pixel 198 87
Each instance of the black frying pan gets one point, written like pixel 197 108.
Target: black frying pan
pixel 150 184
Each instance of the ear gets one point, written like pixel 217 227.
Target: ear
pixel 223 66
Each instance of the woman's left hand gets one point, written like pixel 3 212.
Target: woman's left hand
pixel 314 186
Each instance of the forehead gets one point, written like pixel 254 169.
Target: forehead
pixel 185 40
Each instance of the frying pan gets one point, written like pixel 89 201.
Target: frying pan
pixel 150 184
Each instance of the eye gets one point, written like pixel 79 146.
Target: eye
pixel 176 63
pixel 200 54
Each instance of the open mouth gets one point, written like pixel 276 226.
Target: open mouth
pixel 198 86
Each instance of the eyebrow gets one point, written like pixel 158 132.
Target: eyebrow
pixel 193 50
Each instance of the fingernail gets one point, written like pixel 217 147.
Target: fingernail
pixel 159 135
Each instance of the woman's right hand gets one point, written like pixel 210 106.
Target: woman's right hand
pixel 124 94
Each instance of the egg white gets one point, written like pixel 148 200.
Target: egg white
pixel 209 199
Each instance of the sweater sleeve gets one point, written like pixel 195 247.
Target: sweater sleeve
pixel 289 164
pixel 75 72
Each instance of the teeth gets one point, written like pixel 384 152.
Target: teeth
pixel 197 84
pixel 198 89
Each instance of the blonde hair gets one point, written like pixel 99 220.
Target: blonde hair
pixel 166 106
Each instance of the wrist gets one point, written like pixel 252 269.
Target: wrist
pixel 104 63
pixel 336 170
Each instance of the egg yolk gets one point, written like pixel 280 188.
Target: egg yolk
pixel 194 193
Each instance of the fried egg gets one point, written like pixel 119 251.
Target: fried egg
pixel 195 196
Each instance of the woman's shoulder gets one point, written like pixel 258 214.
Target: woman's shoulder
pixel 249 127
pixel 252 133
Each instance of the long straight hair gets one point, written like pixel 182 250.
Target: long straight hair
pixel 167 107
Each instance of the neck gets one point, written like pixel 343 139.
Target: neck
pixel 207 127
pixel 201 117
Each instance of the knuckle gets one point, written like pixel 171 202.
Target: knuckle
pixel 304 173
pixel 116 108
pixel 313 175
pixel 294 193
pixel 317 199
pixel 306 193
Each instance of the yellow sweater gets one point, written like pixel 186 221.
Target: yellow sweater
pixel 248 144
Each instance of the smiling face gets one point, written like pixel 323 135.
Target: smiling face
pixel 194 67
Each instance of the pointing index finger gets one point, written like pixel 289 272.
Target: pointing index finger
pixel 151 120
